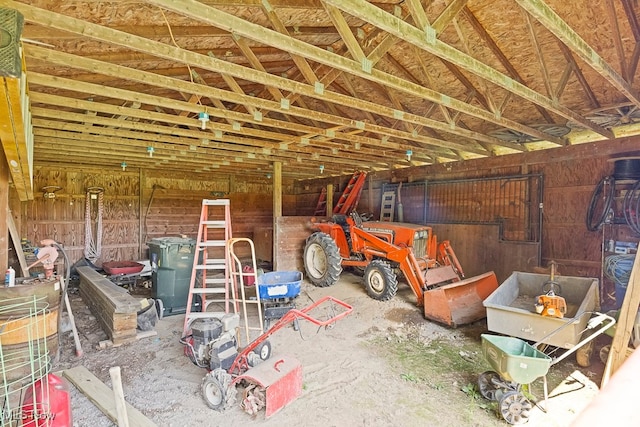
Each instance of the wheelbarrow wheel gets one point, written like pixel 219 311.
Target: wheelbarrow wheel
pixel 515 408
pixel 583 354
pixel 487 386
pixel 604 354
pixel 218 391
pixel 380 280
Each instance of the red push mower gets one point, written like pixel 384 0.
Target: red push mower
pixel 270 383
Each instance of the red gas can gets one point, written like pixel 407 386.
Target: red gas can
pixel 52 406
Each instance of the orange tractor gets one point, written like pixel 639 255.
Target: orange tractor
pixel 383 250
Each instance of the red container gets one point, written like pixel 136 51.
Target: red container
pixel 122 267
pixel 52 406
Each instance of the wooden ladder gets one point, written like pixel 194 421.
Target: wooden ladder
pixel 211 264
pixel 321 207
pixel 241 278
pixel 388 206
pixel 351 194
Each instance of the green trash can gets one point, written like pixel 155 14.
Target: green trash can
pixel 171 266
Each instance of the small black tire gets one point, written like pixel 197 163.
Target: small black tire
pixel 583 354
pixel 263 350
pixel 322 261
pixel 218 390
pixel 380 280
pixel 160 308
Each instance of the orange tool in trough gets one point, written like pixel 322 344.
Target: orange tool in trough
pixel 381 248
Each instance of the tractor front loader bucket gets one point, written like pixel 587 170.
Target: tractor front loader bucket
pixel 460 302
pixel 273 384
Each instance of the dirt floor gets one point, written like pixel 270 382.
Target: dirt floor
pixel 382 365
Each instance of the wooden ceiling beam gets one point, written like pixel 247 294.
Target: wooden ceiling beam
pixel 195 136
pixel 218 18
pixel 562 82
pixel 558 27
pixel 502 58
pixel 630 12
pixel 35 32
pixel 127 149
pixel 167 51
pixel 536 47
pixel 345 32
pixel 165 143
pixel 417 37
pixel 77 152
pixel 149 78
pixel 568 56
pixel 224 129
pixel 448 14
pixel 617 39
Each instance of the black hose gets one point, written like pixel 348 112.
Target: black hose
pixel 596 219
pixel 630 206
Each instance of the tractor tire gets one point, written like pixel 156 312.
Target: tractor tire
pixel 322 260
pixel 380 280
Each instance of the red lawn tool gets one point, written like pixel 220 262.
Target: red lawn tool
pixel 271 383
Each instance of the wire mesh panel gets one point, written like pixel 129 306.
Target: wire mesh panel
pixel 25 325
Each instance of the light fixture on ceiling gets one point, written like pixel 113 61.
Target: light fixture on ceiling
pixel 150 150
pixel 204 118
pixel 409 154
pixel 123 165
pixel 268 175
pixel 321 168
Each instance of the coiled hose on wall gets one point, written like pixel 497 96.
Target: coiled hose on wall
pixel 600 205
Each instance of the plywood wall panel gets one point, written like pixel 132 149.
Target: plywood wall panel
pixel 290 234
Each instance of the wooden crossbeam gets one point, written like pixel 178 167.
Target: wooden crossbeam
pixel 232 23
pixel 547 17
pixel 415 36
pixel 167 82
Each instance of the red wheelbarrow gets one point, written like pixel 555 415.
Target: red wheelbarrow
pixel 272 382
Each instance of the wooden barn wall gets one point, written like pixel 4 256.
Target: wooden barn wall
pixel 494 254
pixel 290 235
pixel 137 207
pixel 570 176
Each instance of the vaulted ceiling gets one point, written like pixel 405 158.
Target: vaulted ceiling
pixel 325 85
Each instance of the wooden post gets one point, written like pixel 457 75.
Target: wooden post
pixel 277 208
pixel 626 320
pixel 329 199
pixel 4 212
pixel 142 182
pixel 118 393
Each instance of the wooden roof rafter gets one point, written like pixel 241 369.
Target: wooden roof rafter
pixel 218 18
pixel 630 13
pixel 432 45
pixel 540 56
pixel 216 93
pixel 558 27
pixel 500 56
pixel 363 90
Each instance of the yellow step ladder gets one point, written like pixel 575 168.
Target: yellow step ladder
pixel 210 277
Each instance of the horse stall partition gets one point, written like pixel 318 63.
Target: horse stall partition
pixel 493 223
